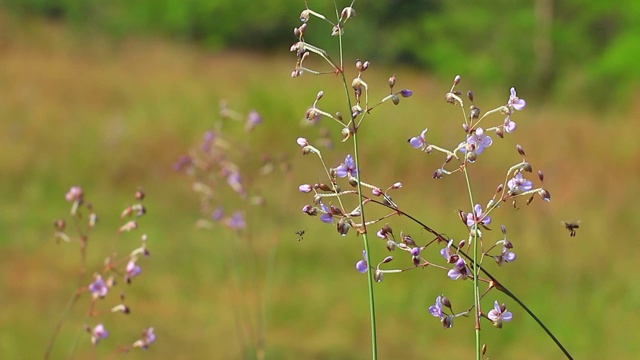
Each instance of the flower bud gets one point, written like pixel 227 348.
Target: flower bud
pixel 456 80
pixel 347 12
pixel 407 239
pixel 500 188
pixel 546 196
pixel 520 150
pixel 359 65
pixel 472 156
pixel 395 99
pixel 392 81
pixel 346 134
pixel 462 243
pixel 446 302
pixel 343 227
pixel 540 175
pixel 319 95
pixel 304 15
pixel 406 93
pixel 365 65
pixel 379 275
pixel 391 245
pixel 59 224
pixel 500 132
pixel 474 113
pixel 449 98
pixel 387 259
pixel 312 114
pixel 470 95
pixel 504 229
pixel 355 111
pixel 438 174
pixel 305 188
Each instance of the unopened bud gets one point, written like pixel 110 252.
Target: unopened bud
pixel 359 65
pixel 466 128
pixel 448 159
pixel 319 95
pixel 304 15
pixel 312 114
pixel 546 196
pixel 391 245
pixel 347 13
pixel 520 150
pixel 449 98
pixel 500 132
pixel 470 95
pixel 339 116
pixel 504 229
pixel 365 65
pixel 392 81
pixel 346 134
pixel 355 111
pixel 59 224
pixel 529 200
pixel 438 174
pixel 540 175
pixel 343 227
pixel 395 99
pixel 462 243
pixel 406 93
pixel 484 349
pixel 379 275
pixel 526 167
pixel 456 80
pixel 474 112
pixel 446 302
pixel 407 239
pixel 388 259
pixel 463 216
pixel 500 188
pixel 472 156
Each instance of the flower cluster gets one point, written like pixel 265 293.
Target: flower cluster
pixel 105 279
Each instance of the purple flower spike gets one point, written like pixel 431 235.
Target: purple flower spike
pixel 499 314
pixel 518 185
pixel 419 142
pixel 515 101
pixel 348 167
pixel 362 266
pixel 478 214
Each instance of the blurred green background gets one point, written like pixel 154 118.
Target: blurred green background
pixel 109 95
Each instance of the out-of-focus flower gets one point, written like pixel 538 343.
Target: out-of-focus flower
pixel 98 287
pixel 98 333
pixel 148 338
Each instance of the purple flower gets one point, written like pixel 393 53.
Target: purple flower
pixel 98 333
pixel 305 188
pixel 326 216
pixel 406 93
pixel 419 142
pixel 235 181
pixel 515 102
pixel 148 338
pixel 237 222
pixel 499 314
pixel 254 119
pixel 362 266
pixel 348 167
pixel 183 162
pixel 437 310
pixel 477 142
pixel 209 136
pixel 132 270
pixel 505 257
pixel 460 270
pixel 98 288
pixel 477 215
pixel 517 185
pixel 218 214
pixel 509 126
pixel 302 142
pixel 75 194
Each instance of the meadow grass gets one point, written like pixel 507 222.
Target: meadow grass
pixel 113 116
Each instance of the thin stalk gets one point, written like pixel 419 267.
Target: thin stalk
pixel 476 285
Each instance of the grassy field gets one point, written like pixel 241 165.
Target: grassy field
pixel 77 109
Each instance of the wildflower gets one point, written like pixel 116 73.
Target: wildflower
pixel 305 188
pixel 209 136
pixel 476 142
pixel 505 257
pixel 515 102
pixel 254 119
pixel 437 310
pixel 98 288
pixel 460 270
pixel 75 194
pixel 362 266
pixel 509 126
pixel 148 338
pixel 98 333
pixel 237 222
pixel 498 314
pixel 132 270
pixel 348 167
pixel 419 142
pixel 517 185
pixel 477 215
pixel 326 216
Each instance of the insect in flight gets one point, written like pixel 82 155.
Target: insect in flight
pixel 571 226
pixel 300 234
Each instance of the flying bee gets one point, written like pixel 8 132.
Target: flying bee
pixel 571 226
pixel 300 234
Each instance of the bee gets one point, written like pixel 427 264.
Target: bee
pixel 571 226
pixel 300 234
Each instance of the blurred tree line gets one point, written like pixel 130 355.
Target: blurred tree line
pixel 573 50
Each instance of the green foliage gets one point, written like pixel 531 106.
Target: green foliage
pixel 593 43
